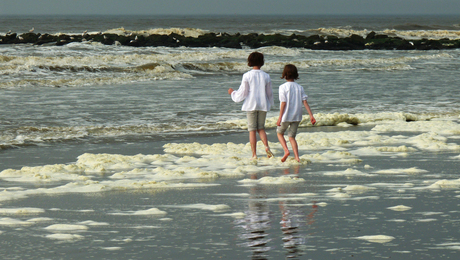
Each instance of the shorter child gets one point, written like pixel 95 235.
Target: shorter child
pixel 292 96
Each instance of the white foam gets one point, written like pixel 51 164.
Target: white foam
pixel 236 215
pixel 112 248
pixel 322 204
pixel 67 237
pixel 397 220
pixel 400 208
pixel 202 206
pixel 273 180
pixel 21 211
pixel 146 212
pixel 413 170
pixel 14 222
pixel 187 32
pixel 347 172
pixel 37 220
pixel 444 184
pixel 376 238
pixel 426 220
pixel 93 223
pixel 66 227
pixel 151 211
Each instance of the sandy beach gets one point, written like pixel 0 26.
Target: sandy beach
pixel 375 207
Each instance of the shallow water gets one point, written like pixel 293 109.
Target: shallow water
pixel 340 210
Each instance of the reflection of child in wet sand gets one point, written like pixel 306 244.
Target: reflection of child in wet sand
pixel 292 96
pixel 256 91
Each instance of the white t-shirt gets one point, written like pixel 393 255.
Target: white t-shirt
pixel 256 91
pixel 294 95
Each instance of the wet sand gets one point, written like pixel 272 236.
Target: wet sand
pixel 385 206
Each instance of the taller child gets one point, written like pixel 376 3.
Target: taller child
pixel 256 91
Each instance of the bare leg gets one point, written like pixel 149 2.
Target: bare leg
pixel 253 142
pixel 294 148
pixel 263 137
pixel 284 145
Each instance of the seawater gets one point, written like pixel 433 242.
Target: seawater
pixel 120 152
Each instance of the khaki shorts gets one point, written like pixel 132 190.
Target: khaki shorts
pixel 292 132
pixel 256 120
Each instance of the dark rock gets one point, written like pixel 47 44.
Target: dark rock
pixel 371 35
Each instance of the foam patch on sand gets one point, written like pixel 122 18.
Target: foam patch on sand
pixel 237 215
pixel 413 170
pixel 273 180
pixel 66 228
pixel 21 211
pixel 400 208
pixel 332 157
pixel 347 172
pixel 39 220
pixel 64 237
pixel 433 142
pixel 444 184
pixel 376 238
pixel 112 248
pixel 202 206
pixel 14 222
pixel 146 212
pixel 352 189
pixel 93 223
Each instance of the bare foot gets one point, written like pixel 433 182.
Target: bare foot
pixel 285 156
pixel 254 157
pixel 269 153
pixel 297 159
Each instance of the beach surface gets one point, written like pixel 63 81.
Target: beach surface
pixel 203 201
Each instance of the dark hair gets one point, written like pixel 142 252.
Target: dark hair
pixel 256 59
pixel 290 72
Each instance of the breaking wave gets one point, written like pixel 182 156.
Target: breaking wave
pixel 31 135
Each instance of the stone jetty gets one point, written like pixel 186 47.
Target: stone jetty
pixel 372 41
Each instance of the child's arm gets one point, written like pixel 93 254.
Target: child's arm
pixel 307 107
pixel 240 94
pixel 282 108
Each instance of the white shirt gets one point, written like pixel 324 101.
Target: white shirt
pixel 294 95
pixel 256 91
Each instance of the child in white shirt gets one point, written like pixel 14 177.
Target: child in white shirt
pixel 256 91
pixel 292 96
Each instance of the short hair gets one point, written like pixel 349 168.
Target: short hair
pixel 256 59
pixel 290 72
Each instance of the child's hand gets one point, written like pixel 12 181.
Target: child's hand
pixel 278 123
pixel 230 90
pixel 312 120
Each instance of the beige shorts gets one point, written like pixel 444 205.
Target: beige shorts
pixel 292 132
pixel 256 120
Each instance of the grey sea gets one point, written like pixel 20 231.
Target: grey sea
pixel 117 152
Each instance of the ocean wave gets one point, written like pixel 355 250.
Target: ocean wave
pixel 159 73
pixel 406 34
pixel 409 31
pixel 187 32
pixel 167 63
pixel 399 63
pixel 32 135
